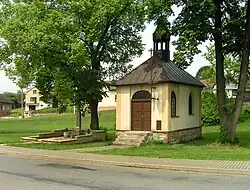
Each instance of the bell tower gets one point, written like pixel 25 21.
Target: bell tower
pixel 161 40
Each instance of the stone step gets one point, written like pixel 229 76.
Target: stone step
pixel 135 133
pixel 131 138
pixel 128 141
pixel 125 143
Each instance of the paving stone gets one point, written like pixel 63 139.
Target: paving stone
pixel 212 166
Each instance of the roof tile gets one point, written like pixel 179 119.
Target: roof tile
pixel 156 70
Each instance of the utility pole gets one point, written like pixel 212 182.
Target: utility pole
pixel 78 121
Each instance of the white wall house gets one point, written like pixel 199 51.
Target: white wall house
pixel 231 90
pixel 33 100
pixel 109 102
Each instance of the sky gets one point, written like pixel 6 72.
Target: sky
pixel 6 85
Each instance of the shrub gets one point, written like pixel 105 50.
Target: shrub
pixel 209 109
pixel 49 110
pixel 110 135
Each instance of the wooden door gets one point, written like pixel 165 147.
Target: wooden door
pixel 141 116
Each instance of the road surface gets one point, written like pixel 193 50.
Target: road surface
pixel 26 174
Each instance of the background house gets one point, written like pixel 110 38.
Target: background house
pixel 33 100
pixel 231 90
pixel 108 102
pixel 5 106
pixel 208 86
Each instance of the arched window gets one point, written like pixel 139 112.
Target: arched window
pixel 173 104
pixel 142 95
pixel 190 104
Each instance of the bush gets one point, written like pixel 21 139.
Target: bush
pixel 49 110
pixel 45 110
pixel 209 109
pixel 110 135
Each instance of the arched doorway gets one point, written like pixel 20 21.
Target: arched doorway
pixel 141 111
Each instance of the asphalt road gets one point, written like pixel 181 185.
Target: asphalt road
pixel 26 174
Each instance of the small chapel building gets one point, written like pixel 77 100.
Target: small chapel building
pixel 159 99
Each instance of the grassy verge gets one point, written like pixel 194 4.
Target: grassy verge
pixel 205 149
pixel 11 131
pixel 17 112
pixel 110 135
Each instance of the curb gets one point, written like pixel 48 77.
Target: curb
pixel 128 164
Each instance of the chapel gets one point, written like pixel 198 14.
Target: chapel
pixel 158 100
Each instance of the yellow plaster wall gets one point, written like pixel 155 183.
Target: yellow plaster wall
pixel 118 108
pixel 123 109
pixel 184 120
pixel 161 109
pixel 164 102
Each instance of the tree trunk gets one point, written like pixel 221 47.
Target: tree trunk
pixel 229 120
pixel 220 79
pixel 229 130
pixel 94 125
pixel 243 69
pixel 22 107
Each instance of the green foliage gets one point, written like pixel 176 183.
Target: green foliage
pixel 53 110
pixel 209 109
pixel 224 23
pixel 231 67
pixel 69 48
pixel 46 110
pixel 15 112
pixel 14 97
pixel 110 135
pixel 202 149
pixel 206 73
pixel 11 131
pixel 155 142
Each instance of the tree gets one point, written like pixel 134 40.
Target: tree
pixel 227 24
pixel 206 73
pixel 231 64
pixel 14 97
pixel 66 44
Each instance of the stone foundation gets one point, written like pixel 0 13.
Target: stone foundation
pixel 184 135
pixel 171 137
pixel 178 136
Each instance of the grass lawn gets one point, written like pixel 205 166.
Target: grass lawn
pixel 205 149
pixel 11 131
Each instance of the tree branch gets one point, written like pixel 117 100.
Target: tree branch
pixel 103 39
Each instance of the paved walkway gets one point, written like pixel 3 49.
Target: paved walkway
pixel 205 166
